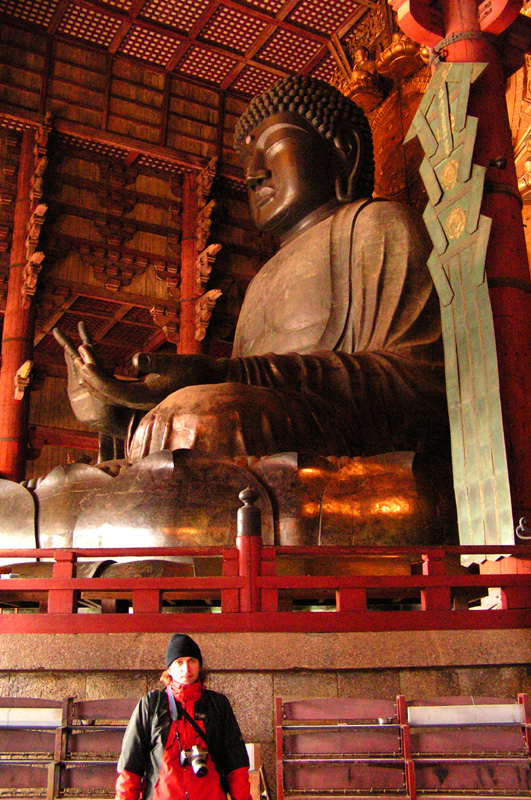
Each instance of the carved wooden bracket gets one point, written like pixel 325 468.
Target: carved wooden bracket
pixel 113 267
pixel 3 285
pixel 203 311
pixel 176 210
pixel 119 203
pixel 173 240
pixel 117 175
pixel 168 320
pixel 9 170
pixel 5 237
pixel 203 265
pixel 115 231
pixel 37 180
pixel 170 273
pixel 205 180
pixel 204 223
pixel 35 224
pixel 42 136
pixel 22 379
pixel 31 273
pixel 113 191
pixel 53 299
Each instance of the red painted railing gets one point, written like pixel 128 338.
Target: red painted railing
pixel 264 588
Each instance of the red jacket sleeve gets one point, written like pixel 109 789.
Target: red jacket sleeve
pixel 128 786
pixel 239 786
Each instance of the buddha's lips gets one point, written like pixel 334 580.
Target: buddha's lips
pixel 263 195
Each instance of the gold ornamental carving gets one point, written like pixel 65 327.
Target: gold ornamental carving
pixel 400 59
pixel 363 85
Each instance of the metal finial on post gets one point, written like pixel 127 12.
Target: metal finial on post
pixel 248 517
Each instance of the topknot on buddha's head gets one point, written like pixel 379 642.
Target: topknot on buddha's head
pixel 320 104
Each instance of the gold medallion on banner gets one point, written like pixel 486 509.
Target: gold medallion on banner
pixel 449 175
pixel 455 224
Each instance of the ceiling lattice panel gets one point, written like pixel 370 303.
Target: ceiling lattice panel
pixel 123 5
pixel 38 12
pixel 212 67
pixel 319 16
pixel 179 14
pixel 149 45
pixel 287 50
pixel 240 45
pixel 252 81
pixel 244 30
pixel 89 25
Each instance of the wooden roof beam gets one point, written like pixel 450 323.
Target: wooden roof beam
pixel 187 162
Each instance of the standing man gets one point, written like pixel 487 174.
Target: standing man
pixel 183 742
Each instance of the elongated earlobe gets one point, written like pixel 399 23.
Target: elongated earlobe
pixel 349 147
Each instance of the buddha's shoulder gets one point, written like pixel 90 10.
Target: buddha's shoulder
pixel 387 212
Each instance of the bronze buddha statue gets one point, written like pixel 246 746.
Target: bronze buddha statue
pixel 338 348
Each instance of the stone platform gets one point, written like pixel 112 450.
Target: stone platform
pixel 254 668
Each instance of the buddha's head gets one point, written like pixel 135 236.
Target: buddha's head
pixel 304 147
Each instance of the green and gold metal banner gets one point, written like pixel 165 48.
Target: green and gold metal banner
pixel 460 237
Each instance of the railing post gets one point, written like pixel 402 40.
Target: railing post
pixel 268 597
pixel 63 601
pixel 146 601
pixel 436 598
pixel 230 598
pixel 249 544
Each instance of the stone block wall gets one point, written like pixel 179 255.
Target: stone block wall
pixel 253 669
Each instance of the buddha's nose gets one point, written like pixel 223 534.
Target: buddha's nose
pixel 255 176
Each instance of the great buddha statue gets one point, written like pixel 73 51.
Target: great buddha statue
pixel 338 347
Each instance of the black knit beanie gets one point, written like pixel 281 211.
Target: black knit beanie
pixel 182 646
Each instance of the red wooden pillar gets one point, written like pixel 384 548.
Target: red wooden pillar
pixel 507 265
pixel 187 340
pixel 19 328
pixel 463 26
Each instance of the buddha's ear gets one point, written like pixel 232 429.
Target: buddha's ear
pixel 349 149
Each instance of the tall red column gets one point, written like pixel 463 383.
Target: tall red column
pixel 506 263
pixel 19 328
pixel 187 340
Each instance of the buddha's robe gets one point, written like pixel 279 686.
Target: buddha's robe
pixel 338 350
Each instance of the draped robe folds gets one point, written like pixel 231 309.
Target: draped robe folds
pixel 338 350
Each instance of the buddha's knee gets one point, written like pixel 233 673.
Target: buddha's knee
pixel 232 419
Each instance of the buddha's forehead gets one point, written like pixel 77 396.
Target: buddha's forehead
pixel 284 123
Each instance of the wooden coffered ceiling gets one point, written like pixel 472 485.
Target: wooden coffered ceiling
pixel 236 46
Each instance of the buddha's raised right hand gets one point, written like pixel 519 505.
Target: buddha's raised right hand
pixel 108 403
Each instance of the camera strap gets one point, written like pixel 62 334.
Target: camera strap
pixel 177 711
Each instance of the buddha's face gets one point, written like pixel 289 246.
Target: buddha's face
pixel 290 171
